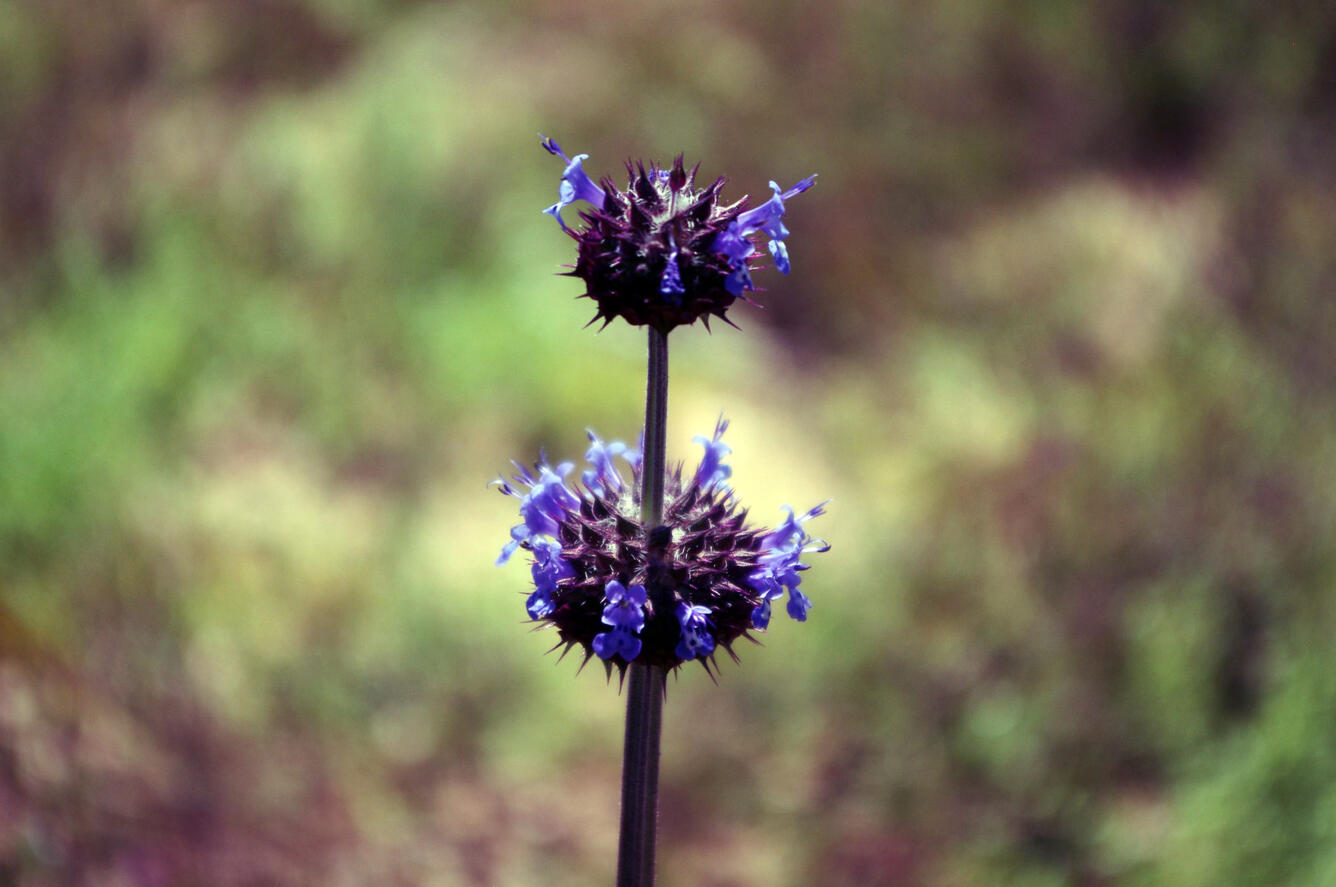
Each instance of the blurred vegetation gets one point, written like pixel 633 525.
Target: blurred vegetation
pixel 277 302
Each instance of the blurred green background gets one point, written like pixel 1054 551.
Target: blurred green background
pixel 276 302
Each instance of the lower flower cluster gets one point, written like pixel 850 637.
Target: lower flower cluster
pixel 668 596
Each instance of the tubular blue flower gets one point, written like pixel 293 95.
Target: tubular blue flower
pixel 664 253
pixel 539 604
pixel 736 249
pixel 549 567
pixel 670 285
pixel 626 606
pixel 733 242
pixel 798 605
pixel 779 566
pixel 575 183
pixel 696 637
pixel 542 508
pixel 604 473
pixel 625 612
pixel 712 471
pixel 618 642
pixel 591 564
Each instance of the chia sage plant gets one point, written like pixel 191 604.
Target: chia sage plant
pixel 658 569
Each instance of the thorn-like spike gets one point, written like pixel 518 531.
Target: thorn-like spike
pixel 699 211
pixel 612 198
pixel 638 219
pixel 677 179
pixel 645 189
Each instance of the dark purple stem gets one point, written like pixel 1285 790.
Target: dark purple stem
pixel 644 700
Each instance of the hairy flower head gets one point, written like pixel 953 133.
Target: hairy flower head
pixel 668 596
pixel 664 253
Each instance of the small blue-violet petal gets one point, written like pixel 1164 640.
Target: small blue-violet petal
pixel 712 471
pixel 616 592
pixel 733 243
pixel 604 473
pixel 696 637
pixel 575 185
pixel 542 508
pixel 539 603
pixel 798 605
pixel 761 615
pixel 551 146
pixel 766 218
pixel 738 280
pixel 549 567
pixel 763 581
pixel 626 606
pixel 624 615
pixel 671 283
pixel 692 614
pixel 798 188
pixel 618 641
pixel 778 565
pixel 785 535
pixel 549 500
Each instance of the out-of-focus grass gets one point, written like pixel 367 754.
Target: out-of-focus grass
pixel 281 316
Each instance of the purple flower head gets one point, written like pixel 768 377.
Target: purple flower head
pixel 662 252
pixel 710 582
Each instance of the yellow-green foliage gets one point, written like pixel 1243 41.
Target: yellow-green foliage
pixel 277 301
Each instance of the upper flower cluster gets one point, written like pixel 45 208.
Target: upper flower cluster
pixel 700 581
pixel 663 253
